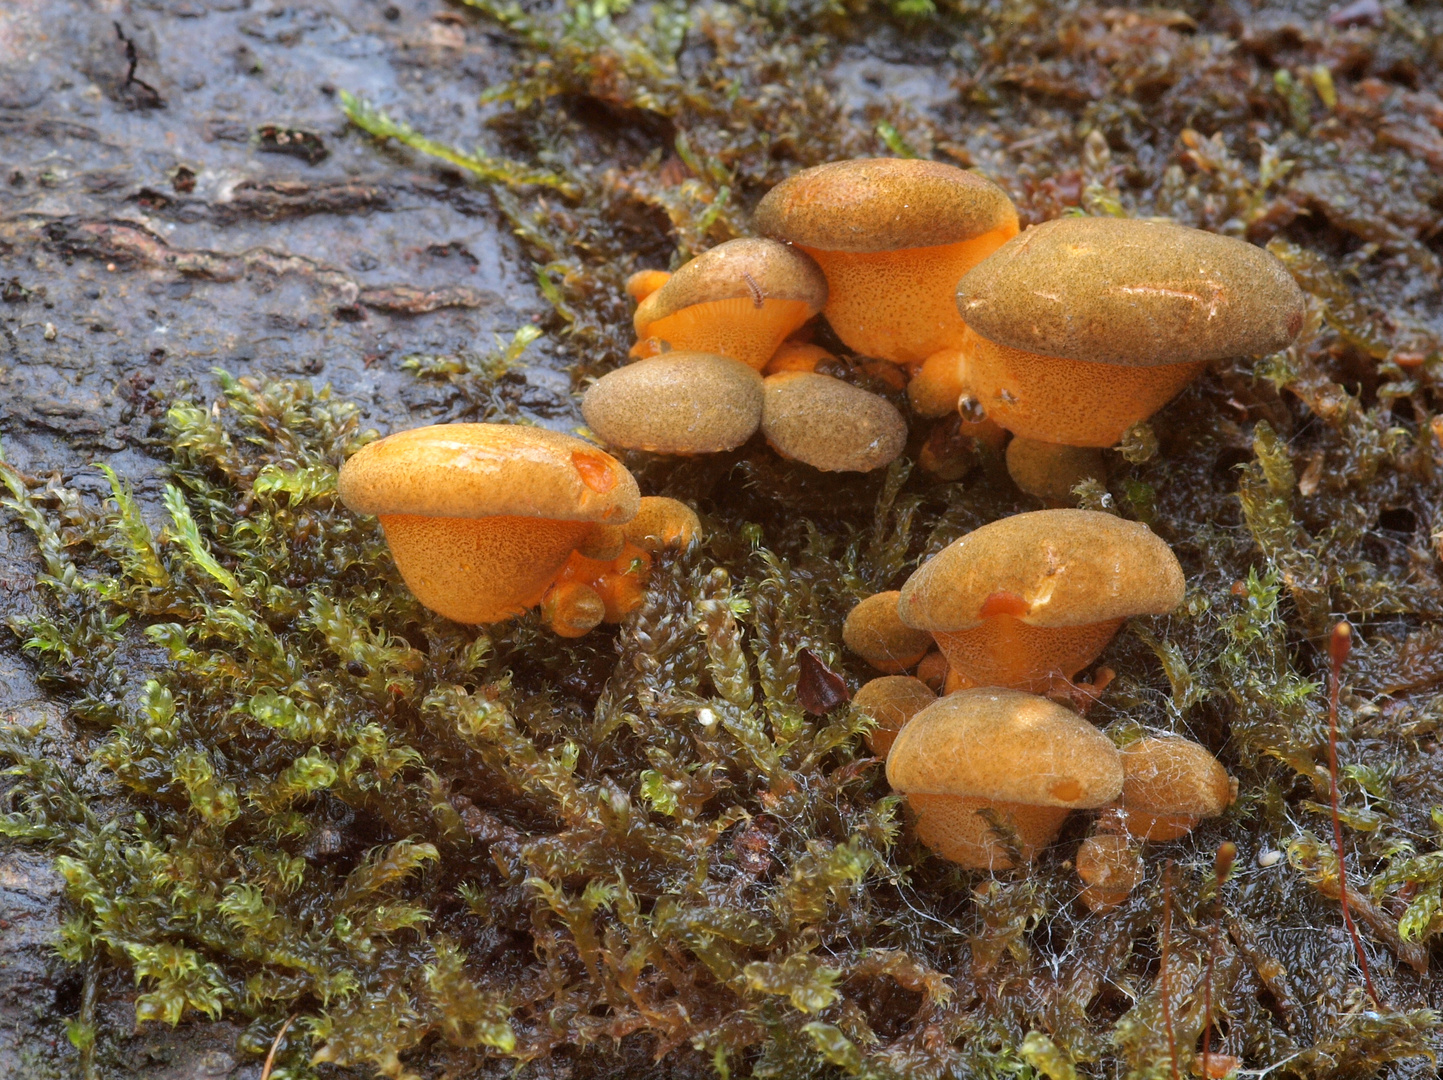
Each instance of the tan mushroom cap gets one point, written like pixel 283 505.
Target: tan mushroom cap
pixel 661 523
pixel 751 269
pixel 488 470
pixel 873 631
pixel 1110 868
pixel 829 424
pixel 1006 746
pixel 1063 567
pixel 882 204
pixel 1173 775
pixel 679 403
pixel 891 700
pixel 1131 292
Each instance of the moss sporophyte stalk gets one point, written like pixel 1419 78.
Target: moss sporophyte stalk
pixel 599 829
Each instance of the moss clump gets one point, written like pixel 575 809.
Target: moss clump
pixel 285 790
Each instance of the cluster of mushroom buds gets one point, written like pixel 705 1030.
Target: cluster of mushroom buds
pixel 487 520
pixel 1065 335
pixel 991 770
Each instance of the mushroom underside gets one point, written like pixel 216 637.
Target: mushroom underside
pixel 1005 651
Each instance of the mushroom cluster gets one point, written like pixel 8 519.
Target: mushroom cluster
pixel 1054 342
pixel 991 770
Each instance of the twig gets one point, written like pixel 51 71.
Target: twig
pixel 276 1045
pixel 1340 643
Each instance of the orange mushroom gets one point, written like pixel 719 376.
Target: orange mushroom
pixel 1110 868
pixel 645 282
pixel 874 632
pixel 481 518
pixel 981 758
pixel 1050 471
pixel 680 403
pixel 1169 785
pixel 891 701
pixel 893 236
pixel 1031 599
pixel 740 299
pixel 1081 327
pixel 662 523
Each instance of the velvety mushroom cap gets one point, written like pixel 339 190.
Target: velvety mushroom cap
pixel 891 700
pixel 1050 470
pixel 679 403
pixel 1130 292
pixel 1007 746
pixel 1053 567
pixel 829 424
pixel 752 269
pixel 1172 775
pixel 662 523
pixel 873 631
pixel 882 204
pixel 488 470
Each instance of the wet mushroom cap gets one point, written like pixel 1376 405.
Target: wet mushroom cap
pixel 1049 568
pixel 891 700
pixel 679 403
pixel 873 631
pixel 1006 746
pixel 488 470
pixel 1131 292
pixel 829 424
pixel 740 299
pixel 882 204
pixel 1172 775
pixel 662 523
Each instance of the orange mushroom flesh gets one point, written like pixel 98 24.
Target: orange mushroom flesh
pixel 645 282
pixel 740 299
pixel 620 582
pixel 891 701
pixel 681 403
pixel 798 356
pixel 939 383
pixel 1081 327
pixel 893 236
pixel 1169 785
pixel 572 609
pixel 874 632
pixel 829 424
pixel 1110 868
pixel 481 518
pixel 1049 471
pixel 662 523
pixel 1028 601
pixel 982 763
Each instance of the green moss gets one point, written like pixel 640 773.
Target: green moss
pixel 293 792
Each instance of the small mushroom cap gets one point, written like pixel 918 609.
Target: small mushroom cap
pixel 829 424
pixel 488 470
pixel 1051 470
pixel 882 204
pixel 751 268
pixel 873 631
pixel 662 523
pixel 891 700
pixel 1008 746
pixel 1110 868
pixel 1170 775
pixel 679 403
pixel 1131 292
pixel 1054 567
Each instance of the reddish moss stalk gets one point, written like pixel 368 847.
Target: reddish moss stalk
pixel 1222 866
pixel 1162 966
pixel 1339 645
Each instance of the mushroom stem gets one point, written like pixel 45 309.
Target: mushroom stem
pixel 1002 650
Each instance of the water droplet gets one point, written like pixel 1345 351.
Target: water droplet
pixel 971 409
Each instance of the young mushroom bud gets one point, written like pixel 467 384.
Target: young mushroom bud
pixel 1031 599
pixel 481 518
pixel 828 424
pixel 645 282
pixel 873 631
pixel 891 700
pixel 1110 868
pixel 1083 326
pixel 662 523
pixel 893 237
pixel 572 609
pixel 740 299
pixel 1169 785
pixel 680 403
pixel 1050 471
pixel 983 758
